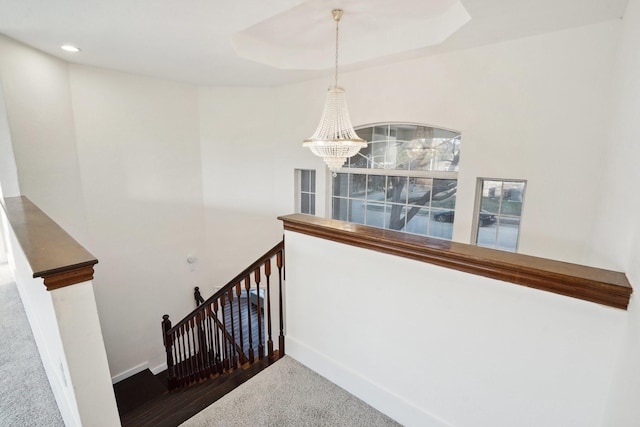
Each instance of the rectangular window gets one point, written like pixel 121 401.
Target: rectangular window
pixel 306 191
pixel 498 213
pixel 417 205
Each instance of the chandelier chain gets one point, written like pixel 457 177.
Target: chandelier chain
pixel 337 38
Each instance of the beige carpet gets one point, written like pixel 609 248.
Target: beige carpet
pixel 289 394
pixel 25 395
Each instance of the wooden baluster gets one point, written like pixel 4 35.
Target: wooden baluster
pixel 243 357
pixel 189 355
pixel 225 360
pixel 218 347
pixel 176 354
pixel 201 345
pixel 168 346
pixel 267 273
pixel 256 276
pixel 185 361
pixel 280 307
pixel 194 353
pixel 234 358
pixel 247 286
pixel 183 358
pixel 207 332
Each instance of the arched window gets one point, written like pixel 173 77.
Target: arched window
pixel 405 180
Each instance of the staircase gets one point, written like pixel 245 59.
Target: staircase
pixel 221 344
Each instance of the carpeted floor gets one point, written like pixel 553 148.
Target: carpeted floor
pixel 289 394
pixel 25 395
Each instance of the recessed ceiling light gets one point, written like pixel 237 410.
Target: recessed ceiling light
pixel 70 48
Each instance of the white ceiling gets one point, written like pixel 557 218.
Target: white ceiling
pixel 195 41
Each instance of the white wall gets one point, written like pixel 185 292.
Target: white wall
pixel 527 109
pixel 139 151
pixel 38 102
pixel 115 160
pixel 616 239
pixel 9 185
pixel 248 161
pixel 534 108
pixel 67 332
pixel 431 346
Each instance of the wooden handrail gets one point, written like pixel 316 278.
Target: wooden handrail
pixel 51 252
pixel 246 272
pixel 605 287
pixel 230 340
pixel 204 343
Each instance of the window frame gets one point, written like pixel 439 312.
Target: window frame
pixel 299 192
pixel 390 172
pixel 475 230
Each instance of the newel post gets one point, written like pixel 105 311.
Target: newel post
pixel 197 296
pixel 168 345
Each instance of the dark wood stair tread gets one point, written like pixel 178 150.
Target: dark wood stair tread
pixel 173 408
pixel 136 390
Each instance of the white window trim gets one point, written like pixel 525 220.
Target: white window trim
pixel 475 227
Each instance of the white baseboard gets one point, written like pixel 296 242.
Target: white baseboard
pixel 365 389
pixel 157 369
pixel 139 368
pixel 129 372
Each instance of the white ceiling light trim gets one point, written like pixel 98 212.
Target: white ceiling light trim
pixel 297 38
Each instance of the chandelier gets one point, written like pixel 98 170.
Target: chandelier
pixel 335 140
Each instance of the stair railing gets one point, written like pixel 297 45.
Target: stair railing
pixel 223 333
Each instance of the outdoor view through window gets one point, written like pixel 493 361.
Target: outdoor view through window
pixel 405 180
pixel 500 209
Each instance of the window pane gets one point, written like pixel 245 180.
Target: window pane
pixel 362 158
pixel 396 219
pixel 357 185
pixel 397 189
pixel 512 193
pixel 304 180
pixel 339 209
pixel 441 224
pixel 420 191
pixel 508 233
pixel 312 179
pixel 356 211
pixel 487 236
pixel 418 220
pixel 378 147
pixel 375 214
pixel 398 155
pixel 491 193
pixel 305 203
pixel 376 188
pixel 312 204
pixel 444 193
pixel 341 185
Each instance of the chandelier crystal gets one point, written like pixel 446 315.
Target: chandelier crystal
pixel 335 140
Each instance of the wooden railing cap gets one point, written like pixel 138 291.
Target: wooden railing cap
pixel 606 287
pixel 51 252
